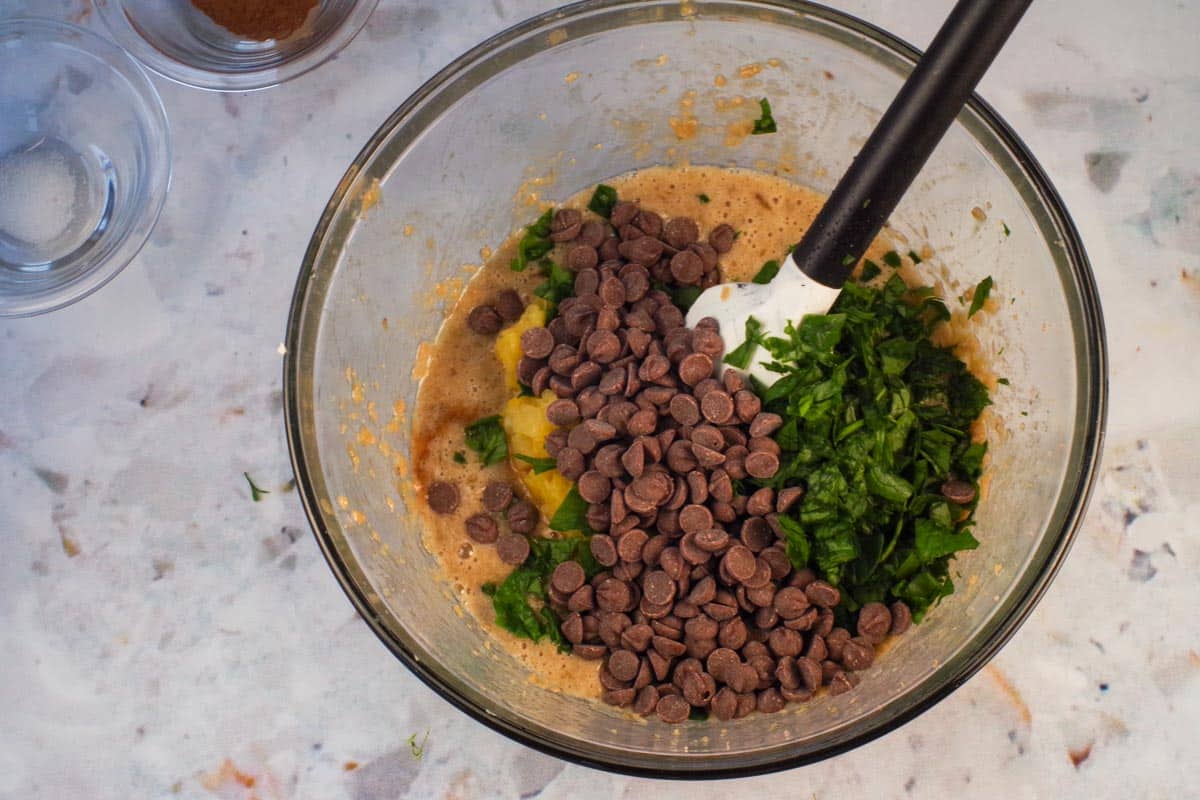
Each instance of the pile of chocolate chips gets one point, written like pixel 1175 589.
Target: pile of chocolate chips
pixel 697 607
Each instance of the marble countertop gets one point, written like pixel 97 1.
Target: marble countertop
pixel 163 636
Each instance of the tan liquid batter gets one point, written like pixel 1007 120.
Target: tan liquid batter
pixel 465 382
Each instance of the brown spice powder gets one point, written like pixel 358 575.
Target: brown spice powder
pixel 257 19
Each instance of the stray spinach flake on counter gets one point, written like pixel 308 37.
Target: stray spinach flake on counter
pixel 486 438
pixel 521 601
pixel 876 420
pixel 766 122
pixel 255 492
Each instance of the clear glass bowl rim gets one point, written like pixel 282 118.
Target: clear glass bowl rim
pixel 126 34
pixel 1079 485
pixel 158 161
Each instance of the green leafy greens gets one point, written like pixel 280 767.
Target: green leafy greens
pixel 521 600
pixel 766 122
pixel 256 493
pixel 486 438
pixel 876 419
pixel 539 465
pixel 766 272
pixel 603 200
pixel 741 356
pixel 982 291
pixel 534 244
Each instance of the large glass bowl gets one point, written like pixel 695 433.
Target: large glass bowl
pixel 561 102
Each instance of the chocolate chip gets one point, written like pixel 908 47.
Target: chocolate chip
pixel 497 496
pixel 901 618
pixel 957 491
pixel 672 709
pixel 537 343
pixel 770 701
pixel 513 548
pixel 721 238
pixel 509 305
pixel 570 461
pixel 623 665
pixel 630 544
pixel 590 652
pixel 790 602
pixel 762 465
pixel 442 497
pixel 623 213
pixel 717 406
pixel 695 368
pixel 593 233
pixel 679 232
pixel 567 577
pixel 594 487
pixel 857 654
pixel 650 223
pixel 739 562
pixel 687 268
pixel 835 643
pixel 484 320
pixel 820 593
pixel 582 599
pixel 712 540
pixel 874 622
pixel 523 517
pixel 733 633
pixel 604 550
pixel 581 257
pixel 787 498
pixel 565 224
pixel 563 412
pixel 645 250
pixel 765 424
pixel 482 528
pixel 613 594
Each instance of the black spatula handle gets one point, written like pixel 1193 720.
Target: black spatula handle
pixel 907 134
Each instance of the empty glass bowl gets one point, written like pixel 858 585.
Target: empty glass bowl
pixel 562 102
pixel 177 40
pixel 85 163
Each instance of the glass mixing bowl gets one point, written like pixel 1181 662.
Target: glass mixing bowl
pixel 180 42
pixel 575 96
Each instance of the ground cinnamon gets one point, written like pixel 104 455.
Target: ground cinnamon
pixel 257 19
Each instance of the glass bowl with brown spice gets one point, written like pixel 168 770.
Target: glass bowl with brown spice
pixel 234 45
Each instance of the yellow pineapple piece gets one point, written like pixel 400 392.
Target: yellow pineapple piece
pixel 526 426
pixel 508 341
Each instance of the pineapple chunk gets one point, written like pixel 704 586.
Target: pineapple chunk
pixel 526 426
pixel 508 342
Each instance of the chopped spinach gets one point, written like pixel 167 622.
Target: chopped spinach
pixel 766 272
pixel 521 600
pixel 486 438
pixel 703 198
pixel 603 200
pixel 744 353
pixel 460 457
pixel 571 514
pixel 876 419
pixel 980 296
pixel 558 286
pixel 892 259
pixel 539 465
pixel 534 244
pixel 766 122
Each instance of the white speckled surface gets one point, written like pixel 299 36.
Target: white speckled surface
pixel 163 636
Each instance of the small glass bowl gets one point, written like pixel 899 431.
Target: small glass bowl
pixel 180 42
pixel 85 163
